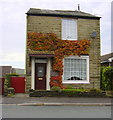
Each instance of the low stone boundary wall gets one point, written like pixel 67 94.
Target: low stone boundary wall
pixel 39 93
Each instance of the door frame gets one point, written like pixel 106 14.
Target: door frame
pixel 48 67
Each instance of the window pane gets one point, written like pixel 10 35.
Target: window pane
pixel 69 29
pixel 40 71
pixel 75 69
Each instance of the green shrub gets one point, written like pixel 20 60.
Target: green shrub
pixel 95 90
pixel 56 88
pixel 106 78
pixel 8 78
pixel 76 90
pixel 69 87
pixel 5 84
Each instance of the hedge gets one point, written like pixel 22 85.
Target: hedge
pixel 42 93
pixel 106 78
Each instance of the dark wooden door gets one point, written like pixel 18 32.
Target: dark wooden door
pixel 40 76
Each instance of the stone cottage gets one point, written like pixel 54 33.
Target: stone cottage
pixel 62 49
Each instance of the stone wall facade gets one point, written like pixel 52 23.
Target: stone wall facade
pixel 48 24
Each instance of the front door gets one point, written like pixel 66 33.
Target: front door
pixel 40 76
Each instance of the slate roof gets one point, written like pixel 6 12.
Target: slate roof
pixel 106 57
pixel 61 13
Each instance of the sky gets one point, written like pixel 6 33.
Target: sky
pixel 13 24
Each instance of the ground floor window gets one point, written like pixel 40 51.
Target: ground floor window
pixel 76 69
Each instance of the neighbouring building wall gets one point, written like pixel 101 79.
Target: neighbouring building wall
pixel 46 24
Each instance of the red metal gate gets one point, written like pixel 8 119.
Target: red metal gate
pixel 18 83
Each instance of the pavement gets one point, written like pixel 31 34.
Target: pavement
pixel 25 100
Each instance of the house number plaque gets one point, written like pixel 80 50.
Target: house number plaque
pixel 40 79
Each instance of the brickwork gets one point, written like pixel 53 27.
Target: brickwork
pixel 28 83
pixel 46 24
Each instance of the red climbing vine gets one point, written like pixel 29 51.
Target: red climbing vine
pixel 61 48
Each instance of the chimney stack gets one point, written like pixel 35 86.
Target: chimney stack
pixel 78 7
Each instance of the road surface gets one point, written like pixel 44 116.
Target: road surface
pixel 15 111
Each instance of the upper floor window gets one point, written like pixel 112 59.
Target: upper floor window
pixel 69 29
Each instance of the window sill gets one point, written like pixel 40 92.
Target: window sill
pixel 76 82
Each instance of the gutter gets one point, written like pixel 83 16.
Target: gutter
pixel 63 15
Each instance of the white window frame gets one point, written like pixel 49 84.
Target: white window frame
pixel 78 81
pixel 76 33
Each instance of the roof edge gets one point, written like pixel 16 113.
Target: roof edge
pixel 60 13
pixel 56 15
